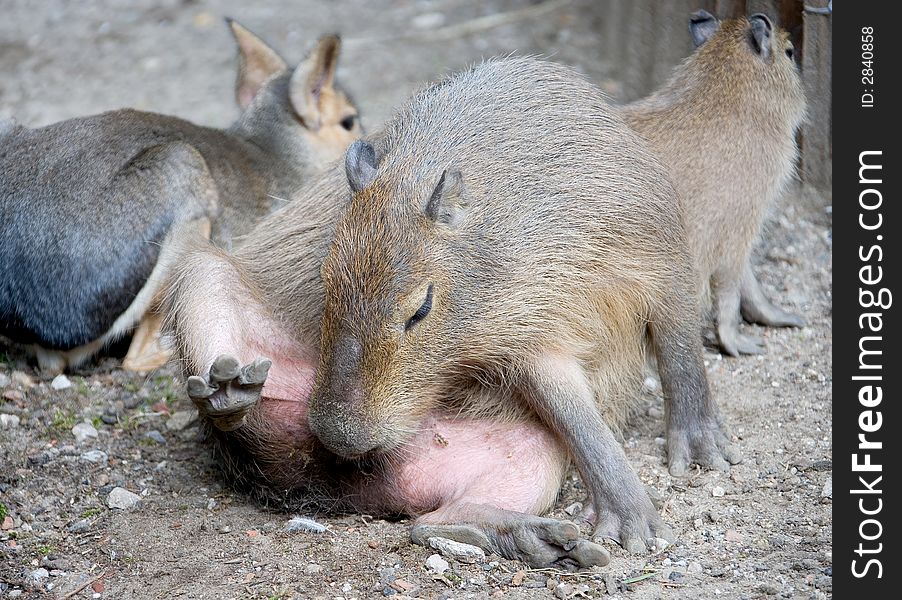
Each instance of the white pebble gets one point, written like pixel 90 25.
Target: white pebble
pixel 717 491
pixel 60 382
pixel 304 525
pixel 465 553
pixel 437 564
pixel 83 431
pixel 122 499
pixel 8 421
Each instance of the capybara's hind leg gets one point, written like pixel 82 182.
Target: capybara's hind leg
pixel 756 308
pixel 537 541
pixel 695 431
pixel 229 391
pixel 146 352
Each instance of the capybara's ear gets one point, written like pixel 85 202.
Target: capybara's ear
pixel 257 63
pixel 315 75
pixel 448 203
pixel 702 26
pixel 360 165
pixel 762 34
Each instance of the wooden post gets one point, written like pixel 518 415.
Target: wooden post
pixel 817 69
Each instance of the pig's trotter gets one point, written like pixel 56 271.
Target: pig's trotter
pixel 229 391
pixel 537 541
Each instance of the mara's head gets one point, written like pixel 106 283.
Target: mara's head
pixel 300 112
pixel 755 58
pixel 387 328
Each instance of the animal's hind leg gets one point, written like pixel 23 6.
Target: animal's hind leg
pixel 146 352
pixel 695 430
pixel 726 299
pixel 756 308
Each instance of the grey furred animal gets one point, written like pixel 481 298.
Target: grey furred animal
pixel 95 207
pixel 725 126
pixel 486 294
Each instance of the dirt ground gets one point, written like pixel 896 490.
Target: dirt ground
pixel 763 530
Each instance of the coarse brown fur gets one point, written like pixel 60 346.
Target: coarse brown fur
pixel 535 254
pixel 725 124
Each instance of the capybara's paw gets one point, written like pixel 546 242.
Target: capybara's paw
pixel 778 317
pixel 228 391
pixel 705 443
pixel 635 528
pixel 734 343
pixel 536 541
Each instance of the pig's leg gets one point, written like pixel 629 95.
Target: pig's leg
pixel 561 395
pixel 756 308
pixel 695 430
pixel 726 303
pixel 220 324
pixel 489 481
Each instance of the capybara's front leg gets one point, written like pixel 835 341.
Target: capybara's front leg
pixel 562 397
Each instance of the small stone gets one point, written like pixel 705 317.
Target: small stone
pixel 313 569
pixel 83 431
pixel 23 379
pixel 437 564
pixel 9 421
pixel 181 419
pixel 94 456
pixel 304 525
pixel 13 396
pixel 79 526
pixel 659 441
pixel 517 579
pixel 563 591
pixel 347 587
pixel 574 508
pixel 4 380
pixel 430 20
pixel 225 529
pixel 155 436
pixel 8 523
pixel 694 568
pixel 827 490
pixel 122 499
pixel 14 593
pixel 402 585
pixel 39 575
pixel 387 575
pixel 109 418
pixel 717 491
pixel 373 544
pixel 60 382
pixel 464 553
pixel 734 536
pixel 675 576
pixel 658 545
pixel 769 589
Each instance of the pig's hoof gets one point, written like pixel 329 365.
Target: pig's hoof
pixel 536 541
pixel 229 391
pixel 704 443
pixel 636 530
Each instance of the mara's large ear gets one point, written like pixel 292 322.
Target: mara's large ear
pixel 360 165
pixel 448 203
pixel 312 77
pixel 702 26
pixel 257 62
pixel 762 34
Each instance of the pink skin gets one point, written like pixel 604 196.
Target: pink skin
pixel 476 481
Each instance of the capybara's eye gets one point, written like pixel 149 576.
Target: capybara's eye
pixel 422 311
pixel 348 122
pixel 789 53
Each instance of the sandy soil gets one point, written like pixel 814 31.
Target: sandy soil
pixel 762 530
